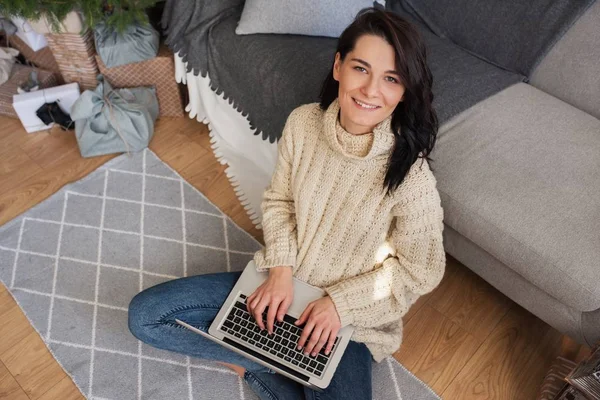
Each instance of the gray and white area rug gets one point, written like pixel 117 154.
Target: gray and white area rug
pixel 74 261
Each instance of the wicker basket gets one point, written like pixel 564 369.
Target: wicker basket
pixel 74 54
pixel 555 378
pixel 158 72
pixel 20 73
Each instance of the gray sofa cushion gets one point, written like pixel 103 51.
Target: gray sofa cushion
pixel 519 176
pixel 459 79
pixel 267 76
pixel 512 34
pixel 299 17
pixel 571 70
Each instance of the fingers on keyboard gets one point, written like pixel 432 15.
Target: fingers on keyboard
pixel 282 344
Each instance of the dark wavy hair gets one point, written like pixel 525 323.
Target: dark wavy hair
pixel 414 121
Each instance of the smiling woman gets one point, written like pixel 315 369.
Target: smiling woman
pixel 381 69
pixel 350 209
pixel 369 85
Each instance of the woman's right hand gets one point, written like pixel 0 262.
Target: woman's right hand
pixel 276 293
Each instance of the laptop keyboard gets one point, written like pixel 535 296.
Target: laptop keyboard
pixel 282 344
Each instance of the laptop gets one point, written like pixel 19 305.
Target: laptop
pixel 237 330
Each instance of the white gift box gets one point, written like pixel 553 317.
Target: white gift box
pixel 27 34
pixel 27 104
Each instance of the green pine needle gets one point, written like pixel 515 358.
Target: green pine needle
pixel 125 12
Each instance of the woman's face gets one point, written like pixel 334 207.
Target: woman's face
pixel 370 89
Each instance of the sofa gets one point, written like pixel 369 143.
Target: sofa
pixel 517 91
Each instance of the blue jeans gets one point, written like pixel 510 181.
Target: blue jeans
pixel 197 300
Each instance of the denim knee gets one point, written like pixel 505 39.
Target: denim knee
pixel 271 386
pixel 134 316
pixel 143 314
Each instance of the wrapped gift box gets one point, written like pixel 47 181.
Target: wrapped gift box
pixel 42 58
pixel 158 72
pixel 138 42
pixel 27 104
pixel 20 74
pixel 74 54
pixel 27 34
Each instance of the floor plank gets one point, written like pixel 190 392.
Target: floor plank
pixel 12 133
pixel 14 326
pixel 180 155
pixel 6 300
pixel 32 365
pixel 48 149
pixel 421 301
pixel 434 348
pixel 37 188
pixel 9 387
pixel 512 361
pixel 12 159
pixel 15 167
pixel 63 390
pixel 469 301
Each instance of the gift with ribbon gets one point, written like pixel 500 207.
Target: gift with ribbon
pixel 111 120
pixel 26 105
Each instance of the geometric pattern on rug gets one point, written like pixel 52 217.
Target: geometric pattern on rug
pixel 74 261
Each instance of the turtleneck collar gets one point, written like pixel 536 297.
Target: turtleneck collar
pixel 377 144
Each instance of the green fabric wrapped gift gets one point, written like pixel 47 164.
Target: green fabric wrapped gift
pixel 111 120
pixel 137 43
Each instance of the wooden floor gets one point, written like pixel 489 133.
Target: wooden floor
pixel 465 339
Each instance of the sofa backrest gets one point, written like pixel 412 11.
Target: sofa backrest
pixel 571 69
pixel 512 34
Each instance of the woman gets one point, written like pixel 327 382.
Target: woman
pixel 352 208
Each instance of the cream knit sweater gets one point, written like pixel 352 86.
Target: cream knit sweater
pixel 327 215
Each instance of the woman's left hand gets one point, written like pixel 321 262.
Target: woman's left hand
pixel 322 325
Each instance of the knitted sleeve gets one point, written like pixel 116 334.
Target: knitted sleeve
pixel 380 296
pixel 279 212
